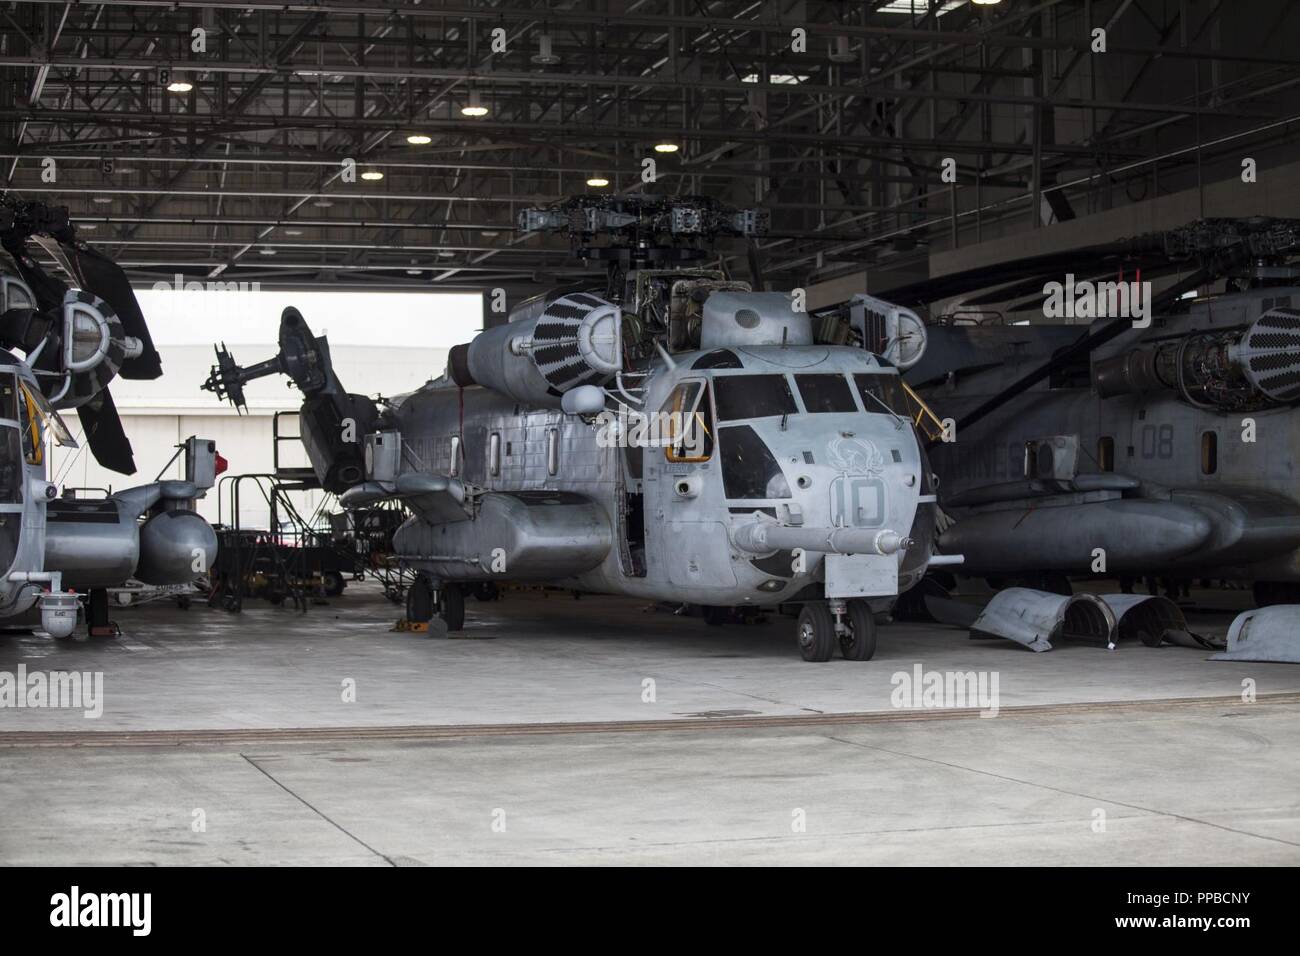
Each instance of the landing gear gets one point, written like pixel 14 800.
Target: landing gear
pixel 858 642
pixel 419 600
pixel 451 606
pixel 97 622
pixel 716 616
pixel 816 632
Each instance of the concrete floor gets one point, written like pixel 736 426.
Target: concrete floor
pixel 1150 782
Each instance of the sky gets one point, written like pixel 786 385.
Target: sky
pixel 252 317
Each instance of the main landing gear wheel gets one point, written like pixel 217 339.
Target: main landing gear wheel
pixel 860 641
pixel 451 602
pixel 816 632
pixel 419 601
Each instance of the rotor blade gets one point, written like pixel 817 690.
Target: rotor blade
pixel 98 274
pixel 105 435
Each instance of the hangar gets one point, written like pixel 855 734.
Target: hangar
pixel 474 432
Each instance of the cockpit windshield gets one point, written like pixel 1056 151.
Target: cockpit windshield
pixel 826 393
pixel 877 389
pixel 742 397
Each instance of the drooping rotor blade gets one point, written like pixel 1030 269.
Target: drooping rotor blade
pixel 1214 266
pixel 105 435
pixel 100 275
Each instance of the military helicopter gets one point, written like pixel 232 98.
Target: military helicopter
pixel 59 349
pixel 671 435
pixel 1161 449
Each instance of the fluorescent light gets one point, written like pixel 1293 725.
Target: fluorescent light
pixel 293 232
pixel 267 252
pixel 323 203
pixel 597 181
pixel 777 79
pixel 419 139
pixel 102 200
pixel 88 226
pixel 372 175
pixel 179 86
pixel 907 7
pixel 666 147
pixel 412 272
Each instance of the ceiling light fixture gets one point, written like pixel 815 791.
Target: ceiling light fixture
pixel 597 181
pixel 545 56
pixel 666 147
pixel 372 175
pixel 419 139
pixel 179 86
pixel 474 107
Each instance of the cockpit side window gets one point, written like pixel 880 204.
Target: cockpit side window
pixel 686 423
pixel 877 388
pixel 8 398
pixel 742 397
pixel 33 434
pixel 826 393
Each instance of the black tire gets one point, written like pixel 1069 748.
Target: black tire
pixel 333 583
pixel 716 616
pixel 860 643
pixel 815 633
pixel 451 606
pixel 419 601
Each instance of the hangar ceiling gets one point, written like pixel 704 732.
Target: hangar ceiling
pixel 210 138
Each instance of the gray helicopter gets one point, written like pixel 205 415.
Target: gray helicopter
pixel 671 435
pixel 60 348
pixel 1161 447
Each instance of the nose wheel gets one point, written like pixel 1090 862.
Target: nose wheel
pixel 816 632
pixel 858 640
pixel 850 625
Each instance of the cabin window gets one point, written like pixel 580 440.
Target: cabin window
pixel 494 454
pixel 1209 452
pixel 552 451
pixel 455 456
pixel 1106 453
pixel 742 397
pixel 11 472
pixel 686 424
pixel 825 393
pixel 749 470
pixel 878 389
